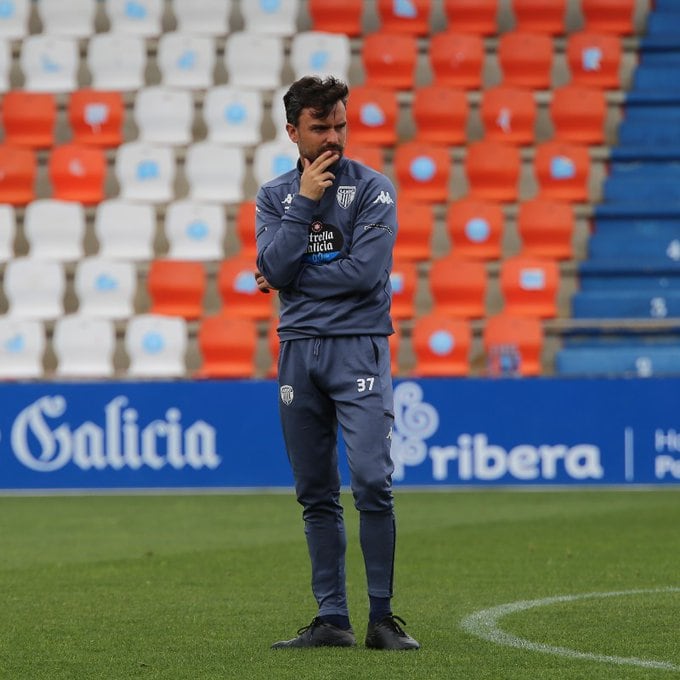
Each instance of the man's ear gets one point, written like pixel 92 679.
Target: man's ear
pixel 292 132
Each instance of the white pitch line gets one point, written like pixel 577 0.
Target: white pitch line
pixel 484 624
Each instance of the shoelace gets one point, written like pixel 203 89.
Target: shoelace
pixel 316 621
pixel 391 620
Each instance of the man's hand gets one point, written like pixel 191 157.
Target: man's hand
pixel 263 285
pixel 316 177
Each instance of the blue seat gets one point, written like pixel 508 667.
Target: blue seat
pixel 637 209
pixel 643 359
pixel 626 304
pixel 662 189
pixel 629 272
pixel 655 131
pixel 663 22
pixel 663 78
pixel 623 228
pixel 603 245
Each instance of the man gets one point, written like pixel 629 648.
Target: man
pixel 325 234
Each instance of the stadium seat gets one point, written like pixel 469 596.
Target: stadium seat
pixel 18 172
pixel 8 231
pixel 337 16
pixel 372 116
pixel 609 16
pixel 458 287
pixel 195 231
pixel 105 288
pixel 509 114
pixel 416 227
pixel 513 345
pixel 254 60
pixel 273 158
pixel 156 346
pixel 72 19
pixel 116 62
pixel 441 346
pixel 526 59
pixel 14 20
pixel 371 155
pixel 5 65
pixel 562 171
pixel 34 288
pixel 164 115
pixel 404 281
pixel 529 286
pixel 539 16
pixel 55 229
pixel 389 60
pixel 228 347
pixel 49 64
pixel 578 114
pixel 29 118
pixel 594 59
pixel 440 115
pixel 84 346
pixel 125 230
pixel 78 173
pixel 141 18
pixel 186 61
pixel 233 115
pixel 422 171
pixel 472 16
pixel 626 304
pixel 238 290
pixel 145 172
pixel 322 54
pixel 643 359
pixel 96 118
pixel 245 228
pixel 457 60
pixel 395 342
pixel 203 17
pixel 22 346
pixel 546 229
pixel 475 228
pixel 177 287
pixel 412 17
pixel 493 170
pixel 271 18
pixel 273 347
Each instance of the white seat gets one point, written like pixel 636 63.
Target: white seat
pixel 74 19
pixel 164 115
pixel 145 172
pixel 84 346
pixel 49 63
pixel 254 60
pixel 105 287
pixel 215 172
pixel 139 17
pixel 35 288
pixel 55 229
pixel 8 229
pixel 5 65
pixel 156 346
pixel 116 61
pixel 233 115
pixel 185 60
pixel 273 18
pixel 273 158
pixel 14 19
pixel 322 54
pixel 278 113
pixel 195 231
pixel 125 230
pixel 22 346
pixel 203 17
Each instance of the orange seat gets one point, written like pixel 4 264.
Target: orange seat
pixel 96 117
pixel 389 60
pixel 176 287
pixel 18 171
pixel 239 292
pixel 458 287
pixel 245 228
pixel 78 173
pixel 370 155
pixel 228 347
pixel 336 16
pixel 594 59
pixel 416 226
pixel 372 115
pixel 404 280
pixel 440 114
pixel 562 170
pixel 578 114
pixel 509 114
pixel 422 171
pixel 472 16
pixel 539 16
pixel 609 16
pixel 526 59
pixel 395 347
pixel 273 346
pixel 475 228
pixel 529 286
pixel 413 18
pixel 457 60
pixel 493 170
pixel 546 229
pixel 29 118
pixel 513 345
pixel 441 346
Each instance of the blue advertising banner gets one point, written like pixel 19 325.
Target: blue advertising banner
pixel 447 432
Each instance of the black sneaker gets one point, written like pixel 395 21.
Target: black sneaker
pixel 388 634
pixel 319 634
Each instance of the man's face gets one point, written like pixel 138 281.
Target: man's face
pixel 313 135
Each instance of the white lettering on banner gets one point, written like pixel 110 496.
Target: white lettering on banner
pixel 666 465
pixel 121 443
pixel 667 441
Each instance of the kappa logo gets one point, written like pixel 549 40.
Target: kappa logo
pixel 287 200
pixel 384 197
pixel 287 394
pixel 345 195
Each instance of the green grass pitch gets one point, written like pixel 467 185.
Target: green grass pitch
pixel 199 586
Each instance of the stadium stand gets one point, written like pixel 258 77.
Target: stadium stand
pixel 441 345
pixel 84 346
pixel 337 16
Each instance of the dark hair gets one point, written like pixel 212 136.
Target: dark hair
pixel 314 93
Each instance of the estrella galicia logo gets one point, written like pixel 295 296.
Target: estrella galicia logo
pixel 325 243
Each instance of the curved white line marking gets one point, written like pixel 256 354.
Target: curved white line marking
pixel 484 624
